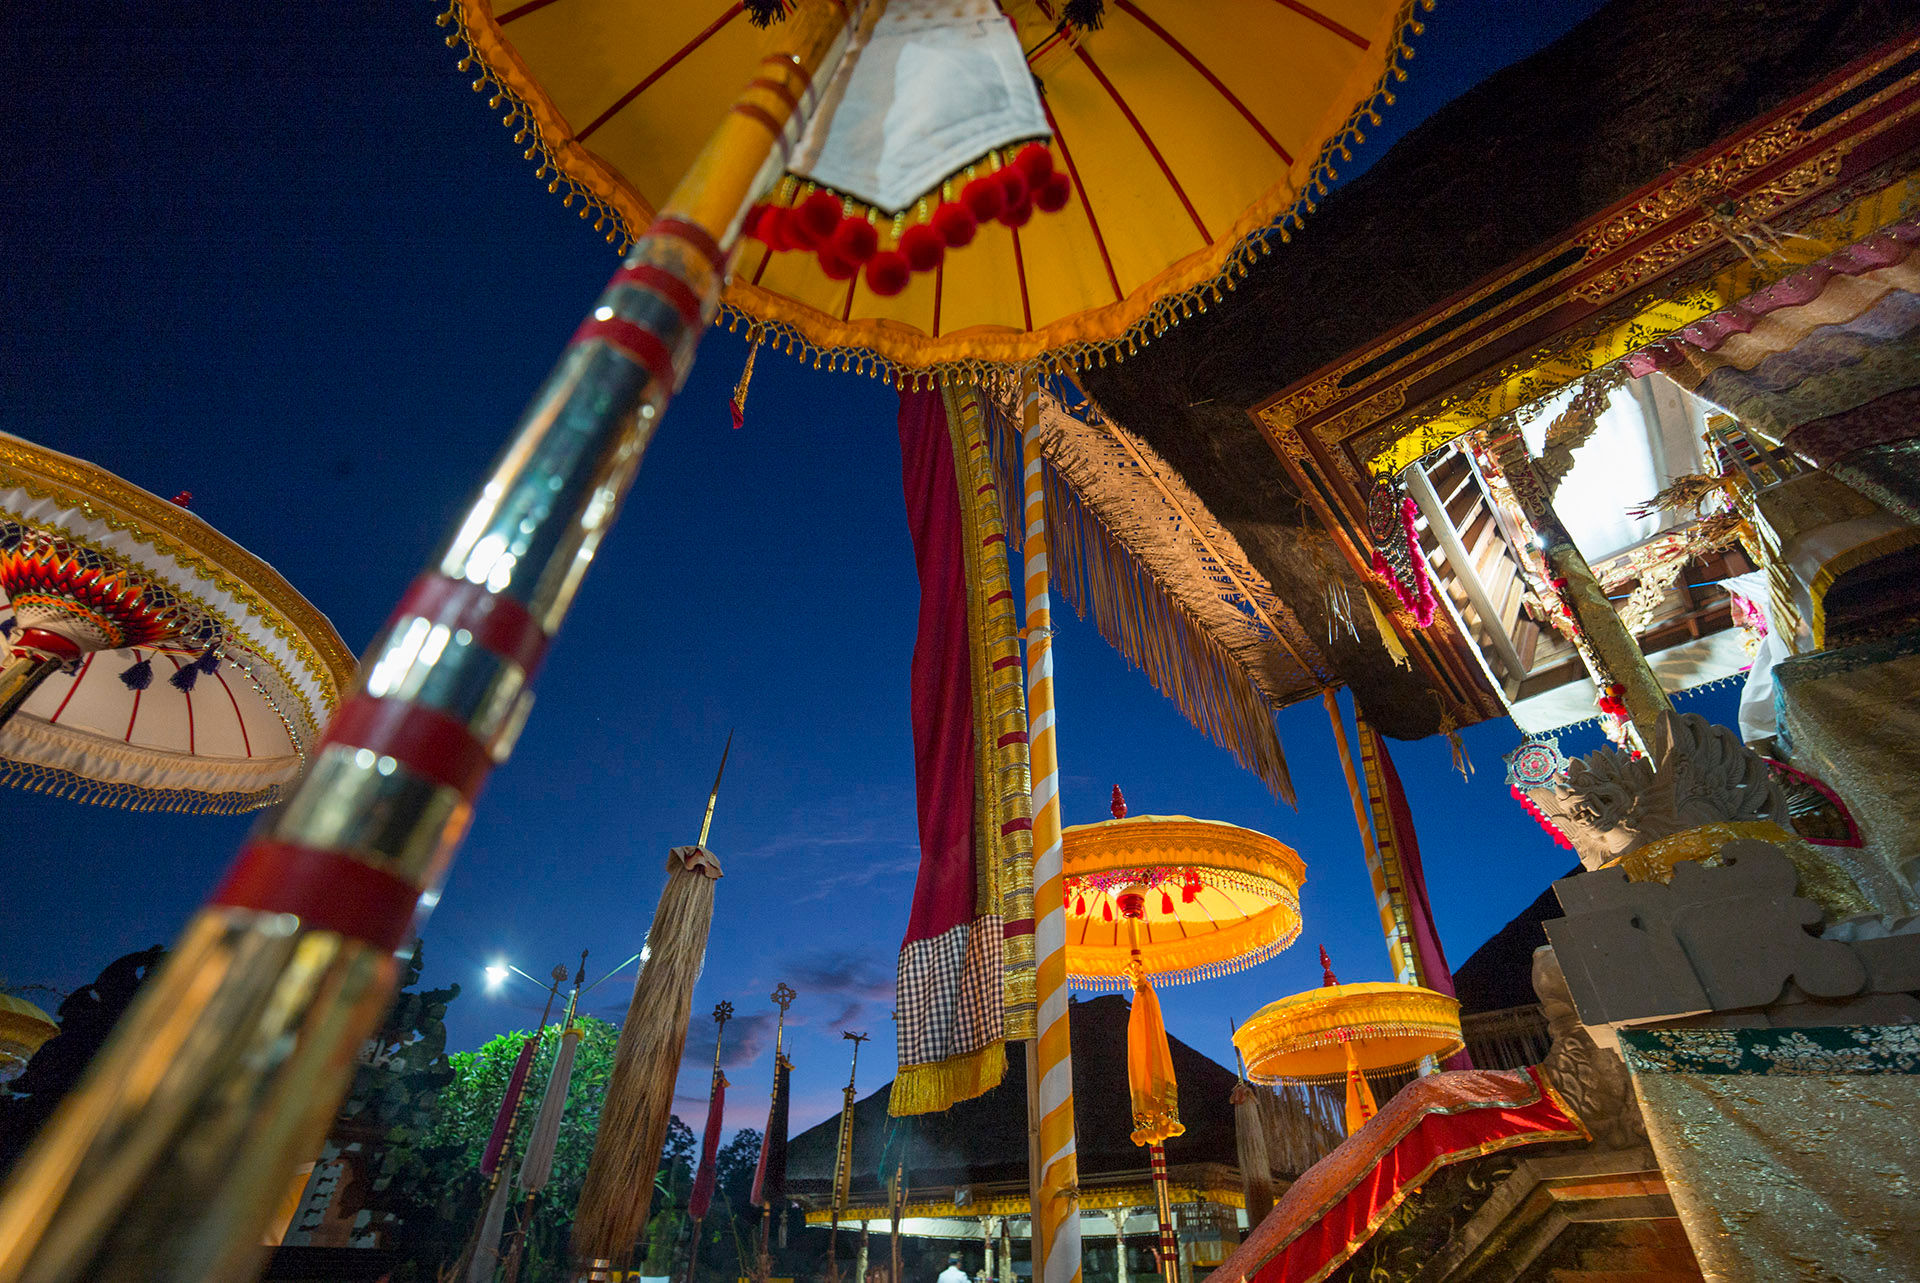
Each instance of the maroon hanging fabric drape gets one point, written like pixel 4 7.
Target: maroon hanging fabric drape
pixel 703 1182
pixel 948 996
pixel 1426 937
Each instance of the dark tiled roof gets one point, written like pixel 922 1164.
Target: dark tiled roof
pixel 1500 972
pixel 985 1139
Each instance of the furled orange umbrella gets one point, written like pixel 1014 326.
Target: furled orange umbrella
pixel 1172 899
pixel 1183 137
pixel 1347 1031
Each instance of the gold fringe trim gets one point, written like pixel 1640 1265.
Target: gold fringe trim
pixel 52 780
pixel 1226 670
pixel 928 1089
pixel 903 357
pixel 1003 771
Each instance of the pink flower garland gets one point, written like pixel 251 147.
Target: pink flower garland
pixel 1419 599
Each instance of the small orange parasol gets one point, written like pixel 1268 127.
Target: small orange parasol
pixel 1173 899
pixel 24 1029
pixel 1346 1032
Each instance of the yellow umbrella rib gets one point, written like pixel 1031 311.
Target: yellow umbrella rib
pixel 646 82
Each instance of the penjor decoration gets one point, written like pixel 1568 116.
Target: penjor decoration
pixel 701 1199
pixel 483 1256
pixel 536 1165
pixel 1342 1033
pixel 1173 899
pixel 770 1176
pixel 646 1060
pixel 285 972
pixel 843 1157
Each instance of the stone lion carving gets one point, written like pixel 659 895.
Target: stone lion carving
pixel 1610 803
pixel 1592 1079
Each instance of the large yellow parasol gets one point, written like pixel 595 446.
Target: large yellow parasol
pixel 1346 1032
pixel 1186 131
pixel 1213 898
pixel 150 662
pixel 1170 898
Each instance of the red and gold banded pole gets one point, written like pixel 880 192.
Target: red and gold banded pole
pixel 1055 1177
pixel 165 1164
pixel 1169 1245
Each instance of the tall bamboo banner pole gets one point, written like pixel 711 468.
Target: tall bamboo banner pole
pixel 843 1158
pixel 166 1163
pixel 1396 923
pixel 701 1196
pixel 1056 1176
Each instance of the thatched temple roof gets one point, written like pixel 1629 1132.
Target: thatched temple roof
pixel 984 1140
pixel 1505 169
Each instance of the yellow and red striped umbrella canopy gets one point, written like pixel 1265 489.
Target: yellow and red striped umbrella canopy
pixel 1218 898
pixel 1186 127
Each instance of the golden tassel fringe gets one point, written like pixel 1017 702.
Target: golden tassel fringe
pixel 928 1089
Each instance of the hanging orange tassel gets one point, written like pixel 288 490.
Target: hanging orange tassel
pixel 739 402
pixel 1150 1078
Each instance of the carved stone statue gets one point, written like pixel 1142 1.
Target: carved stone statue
pixel 1610 804
pixel 1592 1079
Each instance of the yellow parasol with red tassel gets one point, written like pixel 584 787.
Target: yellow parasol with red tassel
pixel 1173 899
pixel 1175 142
pixel 1346 1032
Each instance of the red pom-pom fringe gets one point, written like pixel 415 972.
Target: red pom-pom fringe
pixel 1052 195
pixel 1036 162
pixel 813 220
pixel 855 239
pixel 984 198
pixel 923 247
pixel 1013 186
pixel 955 223
pixel 887 272
pixel 836 267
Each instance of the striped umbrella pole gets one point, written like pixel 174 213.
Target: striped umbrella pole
pixel 1163 1207
pixel 165 1164
pixel 1056 1178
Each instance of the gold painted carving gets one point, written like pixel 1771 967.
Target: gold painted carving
pixel 1764 200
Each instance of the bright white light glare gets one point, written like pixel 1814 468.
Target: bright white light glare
pixel 496 974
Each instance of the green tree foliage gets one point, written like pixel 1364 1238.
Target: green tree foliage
pixel 729 1235
pixel 396 1090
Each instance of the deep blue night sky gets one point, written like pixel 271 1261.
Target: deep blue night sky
pixel 290 263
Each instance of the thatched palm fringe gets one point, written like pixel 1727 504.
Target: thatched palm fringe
pixel 1303 1124
pixel 633 1120
pixel 1120 545
pixel 1096 570
pixel 1250 1148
